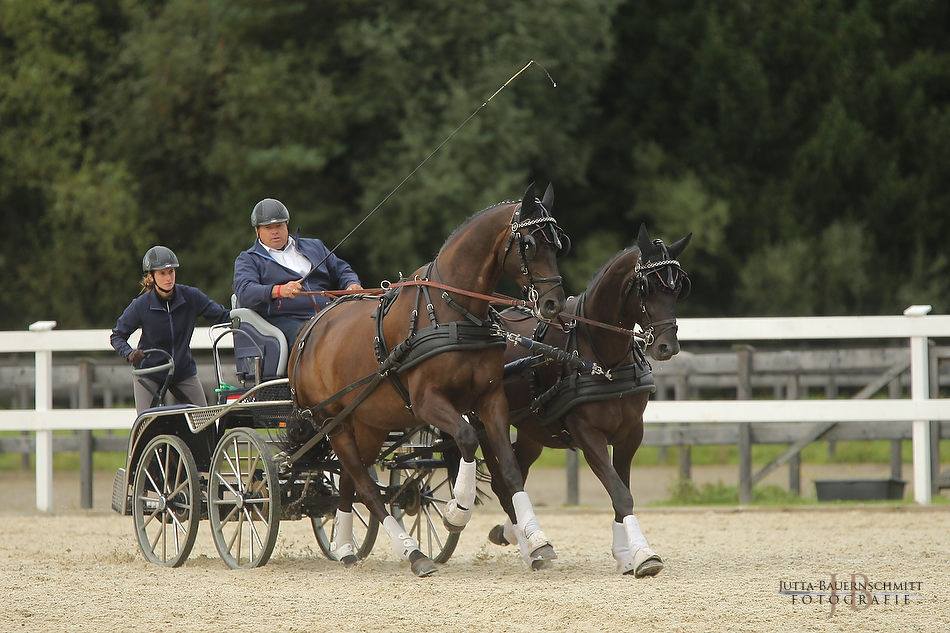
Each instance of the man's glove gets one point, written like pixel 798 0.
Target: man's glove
pixel 135 357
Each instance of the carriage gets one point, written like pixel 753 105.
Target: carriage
pixel 225 463
pixel 269 451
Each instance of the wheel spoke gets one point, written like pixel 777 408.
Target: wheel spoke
pixel 229 516
pixel 161 469
pixel 154 485
pixel 175 526
pixel 444 481
pixel 251 469
pixel 150 517
pixel 181 463
pixel 177 523
pixel 235 470
pixel 227 485
pixel 262 517
pixel 237 532
pixel 253 527
pixel 178 488
pixel 164 538
pixel 168 455
pixel 434 530
pixel 237 463
pixel 439 512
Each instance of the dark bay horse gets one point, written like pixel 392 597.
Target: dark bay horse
pixel 640 285
pixel 461 375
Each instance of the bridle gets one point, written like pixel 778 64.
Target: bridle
pixel 675 281
pixel 546 228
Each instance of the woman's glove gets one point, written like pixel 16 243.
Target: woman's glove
pixel 135 357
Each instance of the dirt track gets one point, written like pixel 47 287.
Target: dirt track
pixel 83 572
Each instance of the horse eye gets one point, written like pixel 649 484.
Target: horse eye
pixel 529 245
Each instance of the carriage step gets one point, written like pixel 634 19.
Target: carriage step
pixel 121 501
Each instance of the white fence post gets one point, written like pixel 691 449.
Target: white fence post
pixel 920 390
pixel 44 438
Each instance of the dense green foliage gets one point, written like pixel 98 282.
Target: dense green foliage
pixel 806 144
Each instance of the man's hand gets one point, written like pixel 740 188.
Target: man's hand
pixel 353 287
pixel 135 357
pixel 288 290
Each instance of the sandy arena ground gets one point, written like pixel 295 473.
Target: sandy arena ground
pixel 82 571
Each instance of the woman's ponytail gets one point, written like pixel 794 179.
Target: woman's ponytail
pixel 148 282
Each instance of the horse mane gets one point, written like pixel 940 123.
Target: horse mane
pixel 610 262
pixel 461 227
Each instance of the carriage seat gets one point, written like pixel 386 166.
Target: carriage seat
pixel 266 336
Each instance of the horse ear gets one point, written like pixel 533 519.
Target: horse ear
pixel 548 199
pixel 644 242
pixel 679 245
pixel 527 203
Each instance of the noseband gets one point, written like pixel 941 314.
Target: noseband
pixel 547 229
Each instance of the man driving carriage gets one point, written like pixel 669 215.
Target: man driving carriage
pixel 270 276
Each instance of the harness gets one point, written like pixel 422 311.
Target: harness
pixel 437 338
pixel 577 384
pixel 471 334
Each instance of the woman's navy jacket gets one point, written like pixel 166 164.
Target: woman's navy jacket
pixel 167 325
pixel 256 273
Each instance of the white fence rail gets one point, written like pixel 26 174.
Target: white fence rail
pixel 919 409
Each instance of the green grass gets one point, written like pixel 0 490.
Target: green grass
pixel 685 492
pixel 852 452
pixel 66 460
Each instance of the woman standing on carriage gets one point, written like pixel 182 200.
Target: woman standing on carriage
pixel 166 313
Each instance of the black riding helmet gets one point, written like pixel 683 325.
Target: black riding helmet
pixel 269 211
pixel 157 258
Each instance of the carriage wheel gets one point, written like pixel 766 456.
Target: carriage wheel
pixel 243 499
pixel 365 525
pixel 419 499
pixel 166 501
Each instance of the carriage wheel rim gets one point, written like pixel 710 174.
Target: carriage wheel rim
pixel 244 500
pixel 164 502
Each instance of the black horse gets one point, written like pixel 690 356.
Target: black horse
pixel 556 406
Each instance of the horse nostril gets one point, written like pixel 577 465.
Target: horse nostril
pixel 549 307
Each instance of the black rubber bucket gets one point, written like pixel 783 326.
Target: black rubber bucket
pixel 859 489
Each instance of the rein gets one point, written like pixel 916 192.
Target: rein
pixel 494 298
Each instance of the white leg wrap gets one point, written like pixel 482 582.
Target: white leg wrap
pixel 402 543
pixel 635 536
pixel 524 512
pixel 465 484
pixel 636 541
pixel 529 532
pixel 459 510
pixel 621 549
pixel 511 534
pixel 342 543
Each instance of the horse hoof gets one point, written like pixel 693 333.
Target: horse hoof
pixel 543 553
pixel 541 563
pixel 349 560
pixel 421 564
pixel 497 535
pixel 650 567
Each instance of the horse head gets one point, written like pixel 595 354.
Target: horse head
pixel 659 283
pixel 531 252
